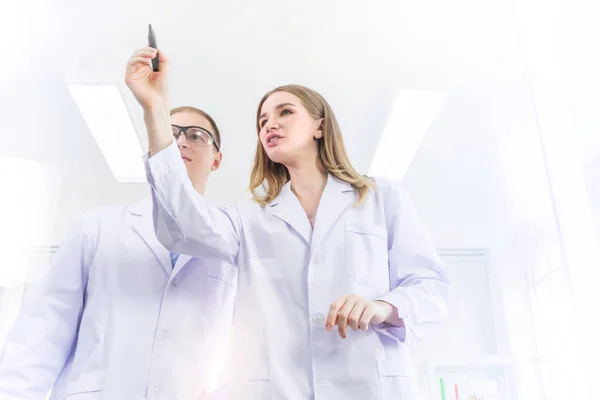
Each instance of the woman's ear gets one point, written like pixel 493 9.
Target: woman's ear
pixel 319 134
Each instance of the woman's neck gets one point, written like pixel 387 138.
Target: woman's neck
pixel 308 184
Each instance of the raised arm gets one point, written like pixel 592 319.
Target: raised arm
pixel 184 221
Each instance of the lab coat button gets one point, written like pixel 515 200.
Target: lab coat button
pixel 318 318
pixel 323 380
pixel 163 335
pixel 316 259
pixel 156 391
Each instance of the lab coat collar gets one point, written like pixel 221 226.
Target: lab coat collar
pixel 287 207
pixel 337 196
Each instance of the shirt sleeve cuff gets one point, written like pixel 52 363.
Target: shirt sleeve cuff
pixel 398 327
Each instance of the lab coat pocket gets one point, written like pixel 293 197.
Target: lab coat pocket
pixel 219 289
pixel 252 383
pixel 367 254
pixel 87 387
pixel 226 273
pixel 396 380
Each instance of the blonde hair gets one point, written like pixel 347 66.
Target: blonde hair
pixel 332 153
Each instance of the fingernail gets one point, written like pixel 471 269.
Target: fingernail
pixel 328 327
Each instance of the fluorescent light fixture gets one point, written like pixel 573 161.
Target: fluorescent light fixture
pixel 104 111
pixel 409 121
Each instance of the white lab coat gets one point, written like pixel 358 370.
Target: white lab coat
pixel 113 320
pixel 289 275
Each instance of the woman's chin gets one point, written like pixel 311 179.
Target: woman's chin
pixel 277 156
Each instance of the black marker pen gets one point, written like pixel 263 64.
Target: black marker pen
pixel 152 43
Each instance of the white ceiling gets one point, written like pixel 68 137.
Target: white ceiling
pixel 226 54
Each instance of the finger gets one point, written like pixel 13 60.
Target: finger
pixel 138 61
pixel 136 64
pixel 148 48
pixel 163 62
pixel 355 315
pixel 342 319
pixel 148 53
pixel 162 57
pixel 366 317
pixel 335 307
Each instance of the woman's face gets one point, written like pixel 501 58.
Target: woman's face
pixel 287 130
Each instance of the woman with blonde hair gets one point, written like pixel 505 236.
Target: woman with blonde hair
pixel 324 246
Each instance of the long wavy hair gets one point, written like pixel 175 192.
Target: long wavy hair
pixel 332 156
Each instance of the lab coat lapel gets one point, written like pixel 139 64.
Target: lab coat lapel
pixel 337 197
pixel 287 207
pixel 142 224
pixel 182 260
